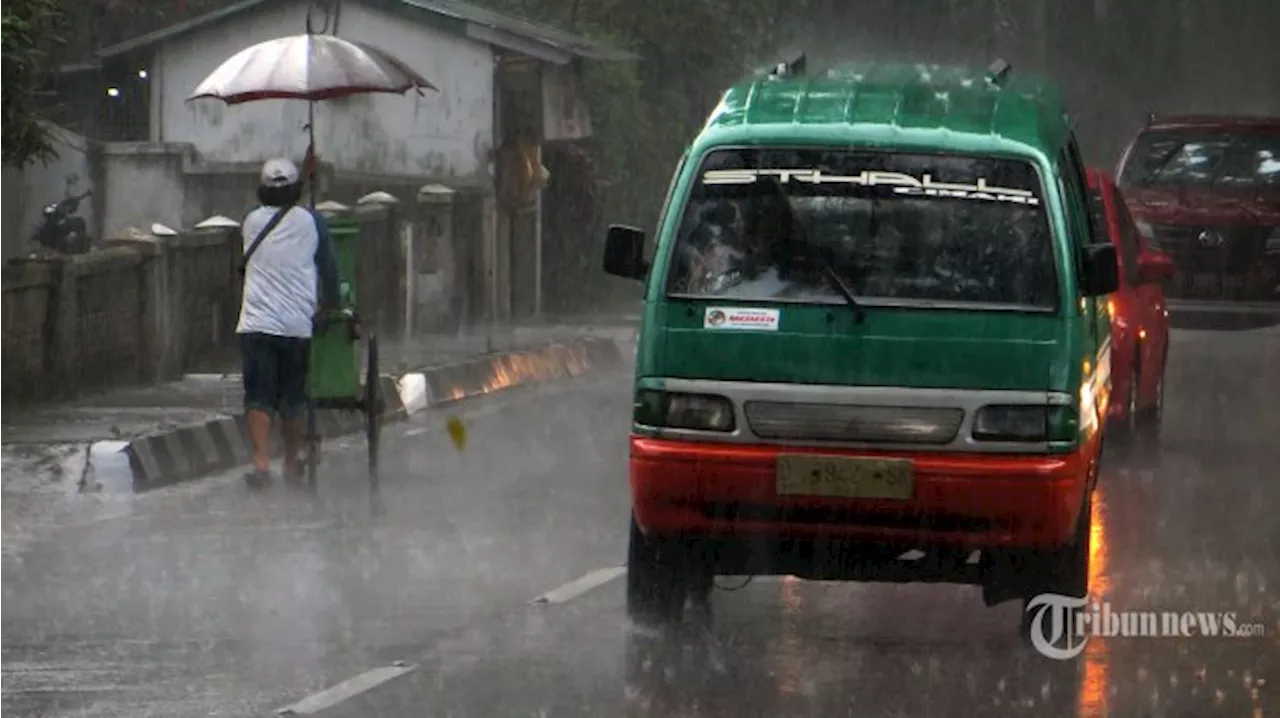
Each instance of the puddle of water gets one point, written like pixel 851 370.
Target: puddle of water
pixel 111 467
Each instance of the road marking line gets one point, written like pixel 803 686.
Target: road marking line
pixel 579 586
pixel 346 690
pixel 418 431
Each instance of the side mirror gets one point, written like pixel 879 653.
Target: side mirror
pixel 624 252
pixel 1154 266
pixel 1101 272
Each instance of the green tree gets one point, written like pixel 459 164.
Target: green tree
pixel 30 31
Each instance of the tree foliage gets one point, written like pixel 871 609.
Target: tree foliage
pixel 30 32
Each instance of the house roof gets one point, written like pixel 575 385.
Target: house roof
pixel 506 31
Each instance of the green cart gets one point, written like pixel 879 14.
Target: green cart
pixel 335 377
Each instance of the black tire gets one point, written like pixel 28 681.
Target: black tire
pixel 1063 571
pixel 1068 567
pixel 657 578
pixel 1150 420
pixel 1127 430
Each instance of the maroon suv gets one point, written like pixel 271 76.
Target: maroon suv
pixel 1206 191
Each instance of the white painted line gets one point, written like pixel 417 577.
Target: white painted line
pixel 346 690
pixel 579 586
pixel 914 554
pixel 974 557
pixel 417 432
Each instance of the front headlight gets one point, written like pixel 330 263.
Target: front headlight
pixel 701 412
pixel 1025 423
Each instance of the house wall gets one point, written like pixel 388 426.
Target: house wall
pixel 444 135
pixel 142 184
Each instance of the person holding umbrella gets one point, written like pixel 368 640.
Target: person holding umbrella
pixel 290 279
pixel 280 286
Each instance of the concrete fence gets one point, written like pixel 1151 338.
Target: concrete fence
pixel 145 309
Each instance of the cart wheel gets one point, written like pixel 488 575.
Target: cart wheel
pixel 372 408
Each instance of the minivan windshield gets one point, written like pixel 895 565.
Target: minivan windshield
pixel 1206 158
pixel 916 229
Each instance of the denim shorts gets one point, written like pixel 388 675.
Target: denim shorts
pixel 275 373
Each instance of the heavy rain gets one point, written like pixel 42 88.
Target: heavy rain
pixel 569 358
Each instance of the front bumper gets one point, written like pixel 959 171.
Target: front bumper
pixel 961 501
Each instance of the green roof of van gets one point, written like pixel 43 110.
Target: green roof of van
pixel 895 104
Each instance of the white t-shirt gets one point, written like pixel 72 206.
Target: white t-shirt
pixel 280 281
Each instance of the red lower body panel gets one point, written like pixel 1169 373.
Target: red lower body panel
pixel 727 491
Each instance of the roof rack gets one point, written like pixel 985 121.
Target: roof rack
pixel 789 67
pixel 997 71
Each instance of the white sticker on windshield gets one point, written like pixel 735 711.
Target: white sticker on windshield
pixel 765 320
pixel 901 183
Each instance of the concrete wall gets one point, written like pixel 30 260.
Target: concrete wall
pixel 143 183
pixel 28 191
pixel 443 135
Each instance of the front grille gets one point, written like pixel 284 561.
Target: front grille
pixel 1174 237
pixel 1240 243
pixel 852 423
pixel 1233 265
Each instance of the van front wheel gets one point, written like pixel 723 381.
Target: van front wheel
pixel 657 578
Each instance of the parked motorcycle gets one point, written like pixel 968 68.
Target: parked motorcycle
pixel 61 230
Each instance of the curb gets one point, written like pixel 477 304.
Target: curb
pixel 199 450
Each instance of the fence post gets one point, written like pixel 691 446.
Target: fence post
pixel 434 250
pixel 62 346
pixel 157 290
pixel 378 272
pixel 224 305
pixel 396 258
pixel 30 312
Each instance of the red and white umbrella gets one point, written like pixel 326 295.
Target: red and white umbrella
pixel 310 67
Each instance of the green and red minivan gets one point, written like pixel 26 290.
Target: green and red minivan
pixel 874 324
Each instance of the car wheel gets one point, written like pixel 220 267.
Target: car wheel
pixel 1063 571
pixel 1066 569
pixel 657 578
pixel 1150 419
pixel 1129 427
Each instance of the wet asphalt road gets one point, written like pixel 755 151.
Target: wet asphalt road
pixel 208 601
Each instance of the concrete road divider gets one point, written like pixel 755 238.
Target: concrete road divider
pixel 199 450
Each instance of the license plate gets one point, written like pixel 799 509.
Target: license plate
pixel 844 477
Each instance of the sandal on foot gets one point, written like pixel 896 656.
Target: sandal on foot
pixel 295 475
pixel 257 479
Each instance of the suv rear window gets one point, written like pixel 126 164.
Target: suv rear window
pixel 771 224
pixel 1208 158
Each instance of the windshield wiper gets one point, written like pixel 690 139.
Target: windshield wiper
pixel 1154 173
pixel 859 314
